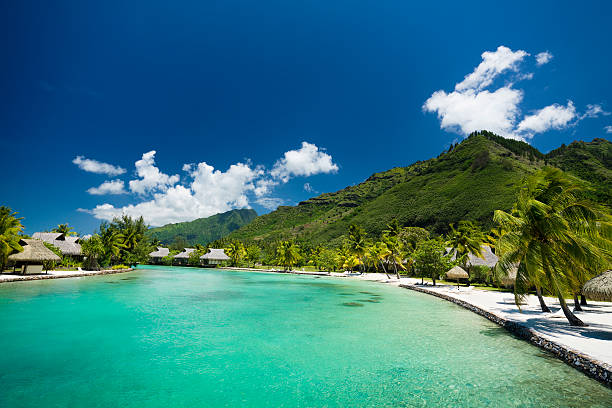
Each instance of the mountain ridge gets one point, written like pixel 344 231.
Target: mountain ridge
pixel 469 181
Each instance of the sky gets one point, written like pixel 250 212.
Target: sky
pixel 180 110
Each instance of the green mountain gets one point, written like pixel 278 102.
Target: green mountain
pixel 468 182
pixel 204 230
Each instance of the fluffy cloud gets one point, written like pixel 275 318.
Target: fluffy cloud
pixel 306 161
pixel 543 58
pixel 108 187
pixel 551 117
pixel 472 107
pixel 151 179
pixel 465 112
pixel 94 166
pixel 308 187
pixel 211 191
pixel 608 129
pixel 493 63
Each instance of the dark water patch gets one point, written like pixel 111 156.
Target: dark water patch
pixel 130 278
pixel 352 304
pixel 494 331
pixel 367 293
pixel 369 300
pixel 345 294
pixel 112 282
pixel 217 295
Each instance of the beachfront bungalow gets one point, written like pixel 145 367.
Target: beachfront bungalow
pixel 214 257
pixel 68 245
pixel 156 256
pixel 31 259
pixel 489 258
pixel 183 257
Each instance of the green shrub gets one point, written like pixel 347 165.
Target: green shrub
pixel 115 267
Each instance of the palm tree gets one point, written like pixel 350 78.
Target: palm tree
pixel 64 229
pixel 395 245
pixel 555 236
pixel 356 242
pixel 287 254
pixel 235 250
pixel 112 240
pixel 467 239
pixel 93 248
pixel 10 227
pixel 378 253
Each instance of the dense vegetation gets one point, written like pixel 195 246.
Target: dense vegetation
pixel 468 182
pixel 203 230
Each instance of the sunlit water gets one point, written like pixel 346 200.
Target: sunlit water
pixel 182 337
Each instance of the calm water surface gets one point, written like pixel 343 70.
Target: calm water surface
pixel 182 337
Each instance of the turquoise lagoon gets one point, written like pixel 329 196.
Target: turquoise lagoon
pixel 185 337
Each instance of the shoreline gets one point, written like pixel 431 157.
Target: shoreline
pixel 6 278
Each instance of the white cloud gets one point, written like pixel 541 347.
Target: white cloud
pixel 306 161
pixel 151 179
pixel 472 107
pixel 108 187
pixel 608 129
pixel 551 117
pixel 94 166
pixel 308 187
pixel 594 111
pixel 466 112
pixel 211 191
pixel 493 64
pixel 270 203
pixel 543 58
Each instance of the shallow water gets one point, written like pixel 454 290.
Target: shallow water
pixel 182 337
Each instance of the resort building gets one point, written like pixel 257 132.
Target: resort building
pixel 214 257
pixel 68 245
pixel 183 257
pixel 489 258
pixel 156 257
pixel 34 254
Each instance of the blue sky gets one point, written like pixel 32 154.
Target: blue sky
pixel 261 103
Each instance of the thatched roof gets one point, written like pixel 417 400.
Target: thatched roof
pixel 34 250
pixel 215 255
pixel 509 279
pixel 160 253
pixel 457 272
pixel 68 245
pixel 489 258
pixel 185 253
pixel 600 287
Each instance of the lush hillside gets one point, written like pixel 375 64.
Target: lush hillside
pixel 470 181
pixel 204 230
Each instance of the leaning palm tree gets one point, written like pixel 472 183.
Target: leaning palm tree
pixel 10 227
pixel 396 253
pixel 554 236
pixel 235 250
pixel 378 252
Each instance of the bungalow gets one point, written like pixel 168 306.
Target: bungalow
pixel 68 245
pixel 183 257
pixel 156 257
pixel 489 258
pixel 214 257
pixel 34 254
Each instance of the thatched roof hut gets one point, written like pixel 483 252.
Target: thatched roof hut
pixel 600 287
pixel 509 279
pixel 457 272
pixel 215 255
pixel 160 253
pixel 184 254
pixel 488 257
pixel 68 245
pixel 34 251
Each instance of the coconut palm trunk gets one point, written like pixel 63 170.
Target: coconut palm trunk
pixel 573 320
pixel 583 301
pixel 543 306
pixel 384 269
pixel 577 303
